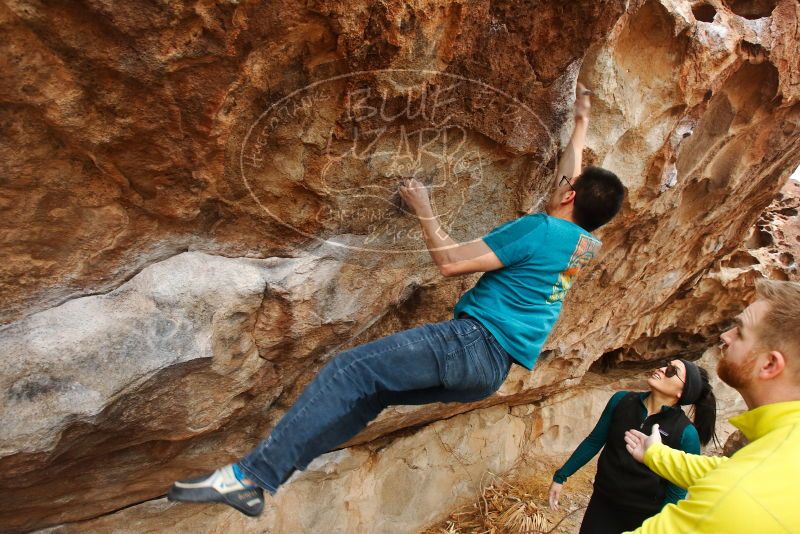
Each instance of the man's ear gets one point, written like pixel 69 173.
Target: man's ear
pixel 568 198
pixel 772 365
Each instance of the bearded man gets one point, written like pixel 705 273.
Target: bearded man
pixel 756 489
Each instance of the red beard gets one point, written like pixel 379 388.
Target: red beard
pixel 736 375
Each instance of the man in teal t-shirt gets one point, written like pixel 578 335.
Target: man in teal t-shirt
pixel 529 265
pixel 519 303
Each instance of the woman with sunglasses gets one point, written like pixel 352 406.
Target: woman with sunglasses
pixel 625 491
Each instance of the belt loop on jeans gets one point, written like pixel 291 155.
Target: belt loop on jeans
pixel 480 326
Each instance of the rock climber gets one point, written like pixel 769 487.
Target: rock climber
pixel 529 265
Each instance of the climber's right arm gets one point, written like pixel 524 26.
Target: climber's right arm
pixel 572 159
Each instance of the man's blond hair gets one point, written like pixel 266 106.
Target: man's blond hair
pixel 780 328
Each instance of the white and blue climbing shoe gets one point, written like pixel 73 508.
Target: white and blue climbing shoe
pixel 220 486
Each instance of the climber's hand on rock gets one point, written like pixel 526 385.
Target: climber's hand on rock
pixel 582 101
pixel 415 195
pixel 555 492
pixel 637 443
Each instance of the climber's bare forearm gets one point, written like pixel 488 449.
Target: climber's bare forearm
pixel 454 258
pixel 450 257
pixel 441 246
pixel 572 159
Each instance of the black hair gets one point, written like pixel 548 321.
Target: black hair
pixel 705 411
pixel 598 197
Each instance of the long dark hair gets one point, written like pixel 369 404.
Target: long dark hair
pixel 705 411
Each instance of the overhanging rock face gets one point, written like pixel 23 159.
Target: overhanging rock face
pixel 198 209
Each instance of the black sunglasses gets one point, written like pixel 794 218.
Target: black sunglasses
pixel 671 371
pixel 563 179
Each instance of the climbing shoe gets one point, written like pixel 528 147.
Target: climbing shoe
pixel 220 486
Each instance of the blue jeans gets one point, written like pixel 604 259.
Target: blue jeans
pixel 454 361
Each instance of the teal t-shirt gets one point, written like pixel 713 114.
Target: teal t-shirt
pixel 520 302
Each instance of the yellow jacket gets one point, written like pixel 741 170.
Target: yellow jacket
pixel 757 491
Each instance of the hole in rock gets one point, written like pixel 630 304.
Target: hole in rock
pixel 788 212
pixel 645 353
pixel 704 12
pixel 747 93
pixel 777 274
pixel 647 46
pixel 759 238
pixel 752 9
pixel 752 89
pixel 786 258
pixel 607 362
pixel 742 259
pixel 754 52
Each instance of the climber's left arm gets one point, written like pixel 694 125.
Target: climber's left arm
pixel 452 258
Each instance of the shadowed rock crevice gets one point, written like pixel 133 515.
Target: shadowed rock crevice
pixel 751 9
pixel 642 353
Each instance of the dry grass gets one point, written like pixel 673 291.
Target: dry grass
pixel 518 505
pixel 503 508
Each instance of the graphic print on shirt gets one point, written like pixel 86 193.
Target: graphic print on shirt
pixel 585 250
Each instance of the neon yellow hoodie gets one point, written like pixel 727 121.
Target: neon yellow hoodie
pixel 756 491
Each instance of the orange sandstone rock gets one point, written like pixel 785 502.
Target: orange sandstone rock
pixel 197 210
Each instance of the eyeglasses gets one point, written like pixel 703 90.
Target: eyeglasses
pixel 670 371
pixel 565 179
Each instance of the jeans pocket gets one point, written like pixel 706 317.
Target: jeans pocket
pixel 465 368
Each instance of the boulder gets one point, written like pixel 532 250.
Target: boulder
pixel 198 211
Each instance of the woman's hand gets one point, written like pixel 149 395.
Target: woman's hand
pixel 415 195
pixel 555 492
